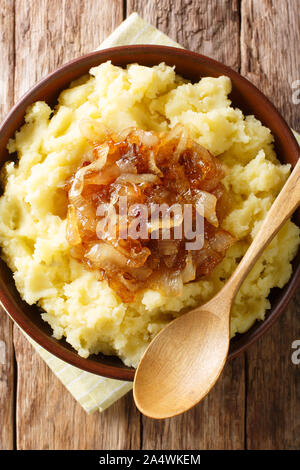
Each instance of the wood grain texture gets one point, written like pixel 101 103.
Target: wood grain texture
pixel 273 386
pixel 6 345
pixel 270 36
pixel 7 385
pixel 52 32
pixel 208 27
pixel 49 418
pixel 256 402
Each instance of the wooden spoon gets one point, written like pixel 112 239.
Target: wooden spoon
pixel 185 359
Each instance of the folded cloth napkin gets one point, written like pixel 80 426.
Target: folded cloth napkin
pixel 91 391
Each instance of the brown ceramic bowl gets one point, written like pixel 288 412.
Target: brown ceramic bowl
pixel 191 66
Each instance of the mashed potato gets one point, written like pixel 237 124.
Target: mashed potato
pixel 50 147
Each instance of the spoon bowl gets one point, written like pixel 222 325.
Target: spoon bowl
pixel 197 355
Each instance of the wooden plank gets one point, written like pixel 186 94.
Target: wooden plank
pixel 218 422
pixel 6 344
pixel 270 36
pixel 210 28
pixel 49 418
pixel 273 386
pixel 48 34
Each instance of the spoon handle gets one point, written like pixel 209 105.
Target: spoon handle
pixel 285 204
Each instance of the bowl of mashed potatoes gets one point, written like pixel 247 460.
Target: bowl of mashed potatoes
pixel 66 143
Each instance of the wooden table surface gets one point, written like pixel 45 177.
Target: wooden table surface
pixel 256 403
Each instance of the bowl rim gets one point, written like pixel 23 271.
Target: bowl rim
pixel 114 371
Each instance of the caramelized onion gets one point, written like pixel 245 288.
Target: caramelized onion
pixel 189 272
pixel 149 139
pixel 221 241
pixel 207 202
pixel 137 179
pixel 148 168
pixel 73 234
pixel 96 166
pixel 152 164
